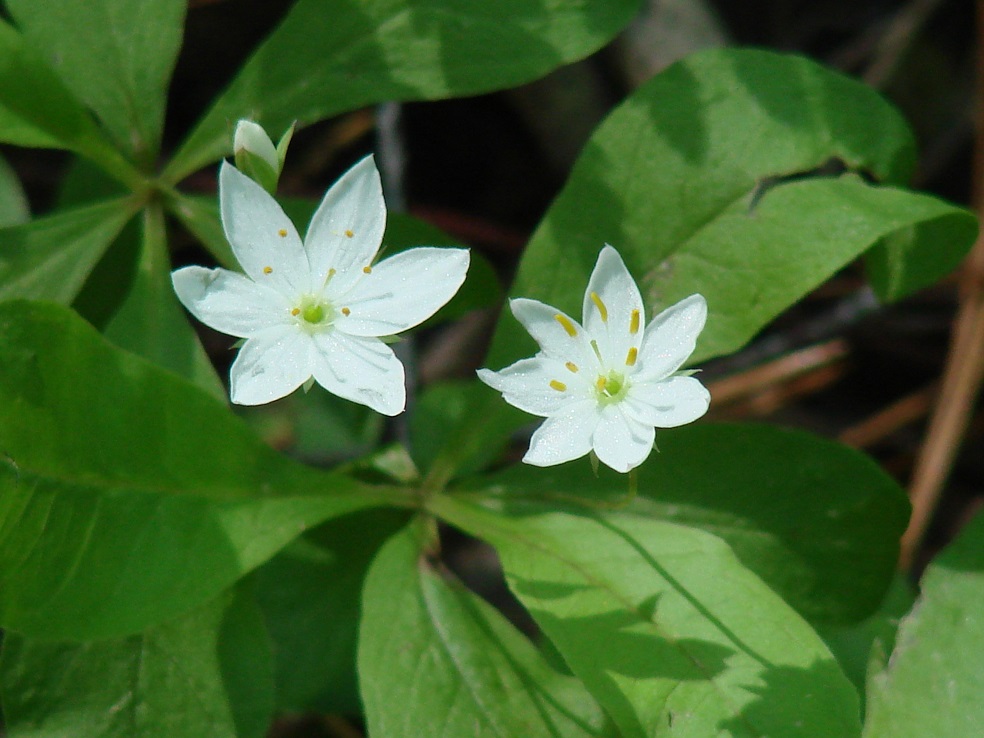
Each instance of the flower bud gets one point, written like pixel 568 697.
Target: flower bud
pixel 257 157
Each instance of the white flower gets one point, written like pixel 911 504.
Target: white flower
pixel 316 309
pixel 251 137
pixel 607 385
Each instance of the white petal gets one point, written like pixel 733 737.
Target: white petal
pixel 251 137
pixel 229 302
pixel 563 437
pixel 671 338
pixel 621 442
pixel 669 403
pixel 364 370
pixel 253 223
pixel 402 291
pixel 271 365
pixel 552 330
pixel 616 291
pixel 527 385
pixel 347 228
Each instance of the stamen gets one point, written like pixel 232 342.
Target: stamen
pixel 594 345
pixel 349 234
pixel 571 366
pixel 331 273
pixel 634 322
pixel 346 311
pixel 567 324
pixel 630 360
pixel 268 270
pixel 282 233
pixel 367 269
pixel 295 312
pixel 600 384
pixel 602 310
pixel 559 386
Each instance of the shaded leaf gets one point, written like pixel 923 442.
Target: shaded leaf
pixel 13 202
pixel 206 673
pixel 128 496
pixel 439 661
pixel 330 56
pixel 666 628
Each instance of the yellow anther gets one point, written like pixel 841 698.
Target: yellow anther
pixel 268 270
pixel 571 366
pixel 567 324
pixel 367 269
pixel 634 322
pixel 346 311
pixel 602 310
pixel 282 233
pixel 349 234
pixel 295 312
pixel 559 386
pixel 600 384
pixel 630 360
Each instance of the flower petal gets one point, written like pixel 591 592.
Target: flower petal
pixel 251 137
pixel 564 437
pixel 539 386
pixel 669 403
pixel 364 370
pixel 552 329
pixel 402 291
pixel 347 228
pixel 262 237
pixel 621 442
pixel 609 302
pixel 229 302
pixel 671 337
pixel 271 365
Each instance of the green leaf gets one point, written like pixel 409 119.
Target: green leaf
pixel 311 596
pixel 818 521
pixel 200 215
pixel 51 257
pixel 207 673
pixel 13 202
pixel 328 57
pixel 128 496
pixel 934 680
pixel 116 56
pixel 666 628
pixel 150 322
pixel 439 661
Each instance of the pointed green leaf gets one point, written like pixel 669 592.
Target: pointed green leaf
pixel 666 628
pixel 934 680
pixel 437 661
pixel 116 56
pixel 311 596
pixel 51 257
pixel 150 322
pixel 13 202
pixel 206 673
pixel 128 496
pixel 328 57
pixel 818 521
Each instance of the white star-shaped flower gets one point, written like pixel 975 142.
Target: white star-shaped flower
pixel 607 385
pixel 315 310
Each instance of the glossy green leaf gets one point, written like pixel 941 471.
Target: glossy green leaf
pixel 665 626
pixel 818 521
pixel 311 596
pixel 51 257
pixel 711 178
pixel 206 673
pixel 151 323
pixel 127 495
pixel 435 660
pixel 934 680
pixel 13 202
pixel 116 56
pixel 330 56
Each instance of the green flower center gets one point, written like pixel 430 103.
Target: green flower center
pixel 611 387
pixel 313 312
